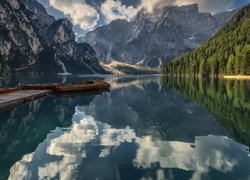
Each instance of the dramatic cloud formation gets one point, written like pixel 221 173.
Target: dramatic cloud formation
pixel 99 12
pixel 81 13
pixel 112 10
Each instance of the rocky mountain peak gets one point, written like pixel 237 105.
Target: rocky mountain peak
pixel 61 31
pixel 190 8
pixel 152 39
pixel 185 10
pixel 33 41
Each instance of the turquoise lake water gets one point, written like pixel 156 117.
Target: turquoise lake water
pixel 146 127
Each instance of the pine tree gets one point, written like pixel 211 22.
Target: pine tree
pixel 230 65
pixel 228 52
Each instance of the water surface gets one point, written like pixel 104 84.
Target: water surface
pixel 144 128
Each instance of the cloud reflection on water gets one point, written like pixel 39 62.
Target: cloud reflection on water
pixel 65 150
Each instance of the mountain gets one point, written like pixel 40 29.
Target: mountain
pixel 33 41
pixel 153 39
pixel 227 53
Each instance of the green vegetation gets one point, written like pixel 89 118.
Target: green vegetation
pixel 227 100
pixel 132 70
pixel 227 53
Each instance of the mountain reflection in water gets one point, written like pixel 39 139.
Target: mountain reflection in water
pixel 142 129
pixel 227 100
pixel 91 149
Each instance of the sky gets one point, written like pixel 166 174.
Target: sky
pixel 87 15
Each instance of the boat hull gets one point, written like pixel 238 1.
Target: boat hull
pixel 80 86
pixel 7 90
pixel 88 87
pixel 38 87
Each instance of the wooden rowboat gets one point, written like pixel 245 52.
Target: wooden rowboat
pixel 78 86
pixel 7 90
pixel 46 86
pixel 83 86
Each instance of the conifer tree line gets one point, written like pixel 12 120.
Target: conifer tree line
pixel 227 53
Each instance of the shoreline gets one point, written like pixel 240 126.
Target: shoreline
pixel 236 77
pixel 239 77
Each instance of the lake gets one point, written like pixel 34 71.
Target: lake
pixel 146 127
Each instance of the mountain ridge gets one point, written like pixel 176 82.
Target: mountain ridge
pixel 33 41
pixel 152 39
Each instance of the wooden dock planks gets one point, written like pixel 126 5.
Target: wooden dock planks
pixel 16 98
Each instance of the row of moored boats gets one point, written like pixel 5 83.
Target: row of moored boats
pixel 61 87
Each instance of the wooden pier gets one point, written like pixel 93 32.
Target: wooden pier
pixel 14 99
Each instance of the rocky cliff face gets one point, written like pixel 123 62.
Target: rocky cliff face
pixel 152 39
pixel 33 41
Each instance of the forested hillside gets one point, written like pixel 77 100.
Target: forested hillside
pixel 227 53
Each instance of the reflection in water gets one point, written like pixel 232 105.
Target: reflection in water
pixel 140 130
pixel 65 153
pixel 210 152
pixel 63 150
pixel 149 108
pixel 227 100
pixel 24 127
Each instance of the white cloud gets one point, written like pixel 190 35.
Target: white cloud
pixel 113 10
pixel 213 6
pixel 152 4
pixel 81 13
pixel 87 16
